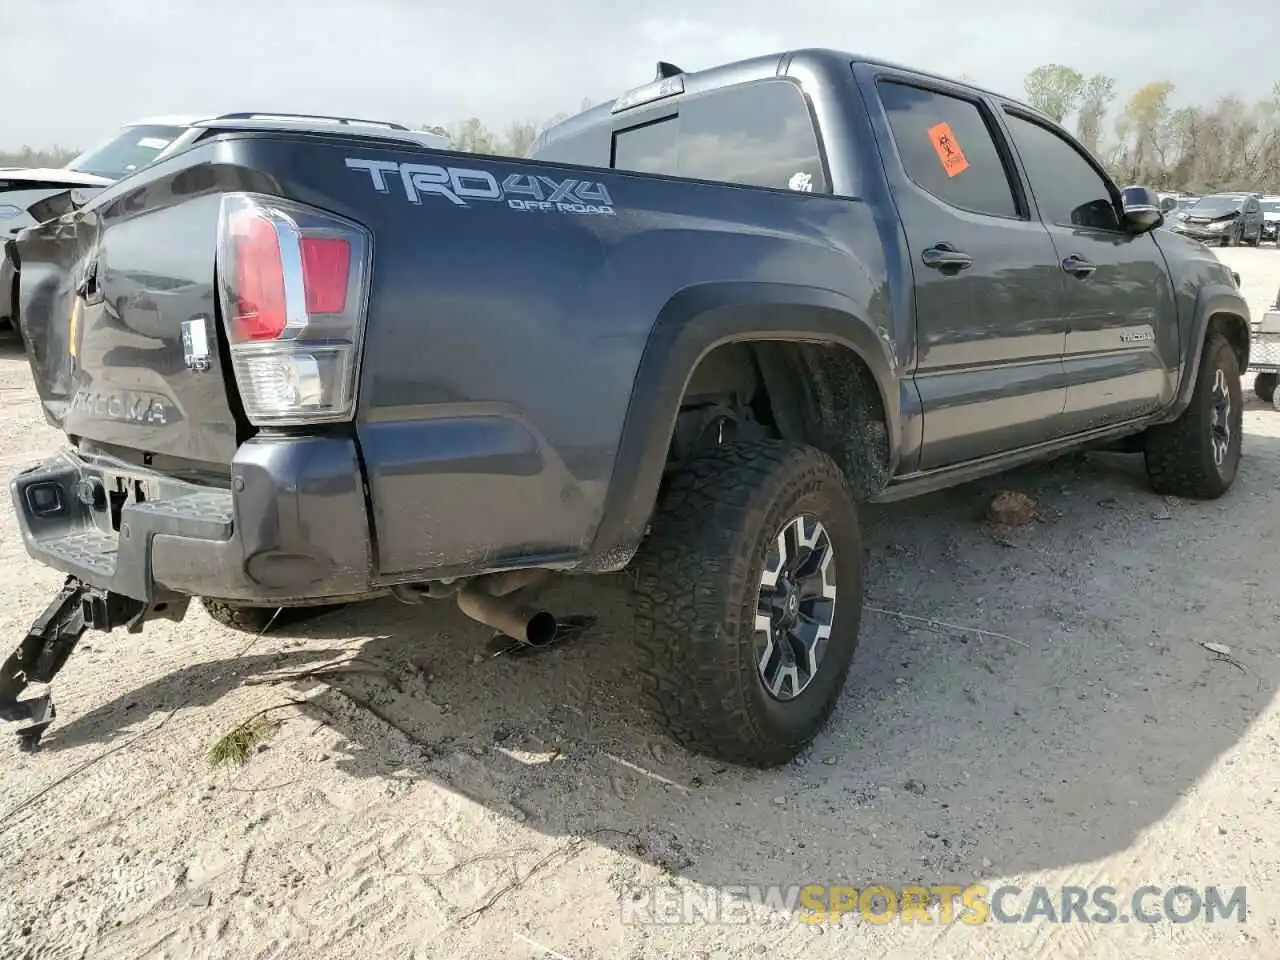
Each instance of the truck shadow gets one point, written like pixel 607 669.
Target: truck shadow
pixel 1076 721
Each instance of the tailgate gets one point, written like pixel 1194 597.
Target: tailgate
pixel 117 306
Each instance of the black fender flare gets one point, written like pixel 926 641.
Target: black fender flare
pixel 695 321
pixel 1212 300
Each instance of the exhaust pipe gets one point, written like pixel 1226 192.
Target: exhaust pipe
pixel 508 616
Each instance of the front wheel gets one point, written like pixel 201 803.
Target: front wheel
pixel 1198 454
pixel 748 600
pixel 1264 385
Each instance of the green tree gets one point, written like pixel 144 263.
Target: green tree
pixel 1054 90
pixel 472 136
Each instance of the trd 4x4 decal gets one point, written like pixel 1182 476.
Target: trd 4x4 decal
pixel 460 185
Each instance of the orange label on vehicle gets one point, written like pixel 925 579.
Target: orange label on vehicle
pixel 949 152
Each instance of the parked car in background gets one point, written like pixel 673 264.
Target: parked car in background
pixel 1174 205
pixel 1171 202
pixel 1271 219
pixel 1223 219
pixel 28 197
pixel 688 334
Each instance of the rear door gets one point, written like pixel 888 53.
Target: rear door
pixel 1122 333
pixel 989 295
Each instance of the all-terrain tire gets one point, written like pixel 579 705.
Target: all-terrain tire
pixel 1264 385
pixel 697 585
pixel 247 619
pixel 1181 457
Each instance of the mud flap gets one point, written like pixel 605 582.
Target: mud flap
pixel 48 644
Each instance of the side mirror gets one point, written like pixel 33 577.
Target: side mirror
pixel 1168 205
pixel 1142 211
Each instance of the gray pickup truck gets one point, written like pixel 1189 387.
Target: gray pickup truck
pixel 688 334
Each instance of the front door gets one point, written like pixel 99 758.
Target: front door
pixel 988 293
pixel 1122 329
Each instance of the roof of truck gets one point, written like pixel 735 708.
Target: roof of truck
pixel 762 68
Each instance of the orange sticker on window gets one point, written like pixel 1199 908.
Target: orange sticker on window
pixel 949 152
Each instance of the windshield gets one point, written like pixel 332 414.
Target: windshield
pixel 1216 206
pixel 1271 206
pixel 131 149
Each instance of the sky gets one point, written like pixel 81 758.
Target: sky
pixel 72 70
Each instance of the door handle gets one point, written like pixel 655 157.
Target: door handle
pixel 1078 266
pixel 943 256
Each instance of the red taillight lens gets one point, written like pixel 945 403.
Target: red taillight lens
pixel 326 271
pixel 293 294
pixel 260 310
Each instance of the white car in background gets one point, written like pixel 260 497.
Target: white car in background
pixel 28 197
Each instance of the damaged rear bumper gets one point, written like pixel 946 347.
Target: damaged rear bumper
pixel 291 526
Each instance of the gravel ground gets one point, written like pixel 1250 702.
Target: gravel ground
pixel 431 802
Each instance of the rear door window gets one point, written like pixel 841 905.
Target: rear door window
pixel 757 134
pixel 947 148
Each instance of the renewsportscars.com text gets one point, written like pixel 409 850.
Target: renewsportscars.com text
pixel 937 904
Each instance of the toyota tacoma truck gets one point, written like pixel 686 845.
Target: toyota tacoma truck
pixel 688 334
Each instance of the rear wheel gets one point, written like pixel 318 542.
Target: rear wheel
pixel 1198 454
pixel 1264 385
pixel 748 600
pixel 249 619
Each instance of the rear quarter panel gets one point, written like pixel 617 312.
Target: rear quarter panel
pixel 503 343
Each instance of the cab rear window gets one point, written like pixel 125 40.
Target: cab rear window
pixel 757 134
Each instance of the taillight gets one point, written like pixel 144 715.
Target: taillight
pixel 259 312
pixel 294 284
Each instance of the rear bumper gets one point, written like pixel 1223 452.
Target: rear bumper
pixel 292 526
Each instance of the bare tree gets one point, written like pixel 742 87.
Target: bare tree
pixel 1095 97
pixel 1143 130
pixel 29 157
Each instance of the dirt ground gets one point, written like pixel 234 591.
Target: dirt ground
pixel 432 802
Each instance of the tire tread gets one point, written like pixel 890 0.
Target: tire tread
pixel 688 573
